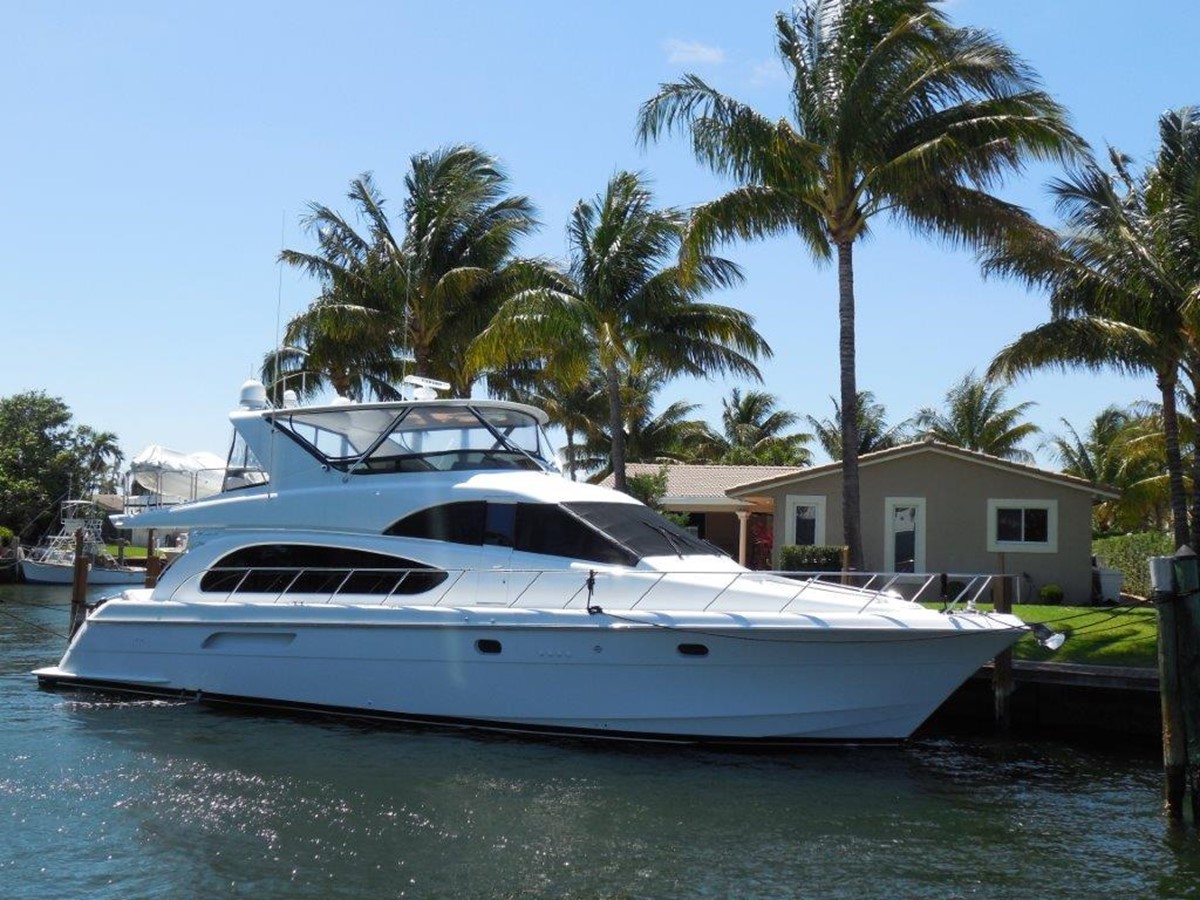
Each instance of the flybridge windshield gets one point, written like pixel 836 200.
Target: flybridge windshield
pixel 419 438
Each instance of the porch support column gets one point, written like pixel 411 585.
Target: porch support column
pixel 743 534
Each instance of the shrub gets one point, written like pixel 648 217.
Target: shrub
pixel 6 536
pixel 796 558
pixel 1131 554
pixel 1050 594
pixel 683 520
pixel 650 488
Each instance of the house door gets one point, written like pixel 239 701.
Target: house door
pixel 904 534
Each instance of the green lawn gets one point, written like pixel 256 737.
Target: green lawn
pixel 131 552
pixel 1096 635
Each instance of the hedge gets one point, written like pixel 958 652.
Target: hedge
pixel 1131 553
pixel 797 558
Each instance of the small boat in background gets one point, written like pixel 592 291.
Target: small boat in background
pixel 53 562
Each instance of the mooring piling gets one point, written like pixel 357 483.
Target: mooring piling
pixel 78 586
pixel 1176 590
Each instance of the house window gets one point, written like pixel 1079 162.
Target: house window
pixel 904 534
pixel 805 523
pixel 1023 526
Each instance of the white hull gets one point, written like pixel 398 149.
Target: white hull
pixel 58 573
pixel 422 561
pixel 783 680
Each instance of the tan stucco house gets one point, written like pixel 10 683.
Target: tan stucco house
pixel 701 492
pixel 932 507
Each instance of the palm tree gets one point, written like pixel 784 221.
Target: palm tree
pixel 977 419
pixel 893 110
pixel 420 292
pixel 1096 457
pixel 753 432
pixel 100 454
pixel 1123 277
pixel 672 434
pixel 872 428
pixel 574 406
pixel 1120 449
pixel 626 305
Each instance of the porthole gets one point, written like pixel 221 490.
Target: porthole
pixel 486 645
pixel 693 650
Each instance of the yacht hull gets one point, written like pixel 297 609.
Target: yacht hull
pixel 698 679
pixel 58 573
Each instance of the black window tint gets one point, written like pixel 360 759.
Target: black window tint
pixel 543 528
pixel 500 524
pixel 458 523
pixel 1037 525
pixel 806 526
pixel 641 530
pixel 1008 524
pixel 303 569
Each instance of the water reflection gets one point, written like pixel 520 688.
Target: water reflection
pixel 152 798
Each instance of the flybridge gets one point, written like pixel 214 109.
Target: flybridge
pixel 434 436
pixel 418 435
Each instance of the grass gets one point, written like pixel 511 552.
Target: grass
pixel 1096 635
pixel 131 552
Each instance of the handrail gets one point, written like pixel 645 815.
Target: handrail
pixel 621 587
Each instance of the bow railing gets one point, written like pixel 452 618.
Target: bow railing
pixel 624 589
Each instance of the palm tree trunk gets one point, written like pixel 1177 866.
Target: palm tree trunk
pixel 422 364
pixel 1194 368
pixel 1179 512
pixel 851 519
pixel 571 451
pixel 616 427
pixel 1195 510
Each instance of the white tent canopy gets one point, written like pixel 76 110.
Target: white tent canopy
pixel 177 477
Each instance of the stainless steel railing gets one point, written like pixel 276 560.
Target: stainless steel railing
pixel 565 588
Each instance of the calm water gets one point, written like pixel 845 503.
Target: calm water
pixel 154 799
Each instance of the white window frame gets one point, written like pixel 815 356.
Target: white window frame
pixel 997 546
pixel 889 532
pixel 818 502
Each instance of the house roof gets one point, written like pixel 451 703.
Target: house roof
pixel 927 445
pixel 689 484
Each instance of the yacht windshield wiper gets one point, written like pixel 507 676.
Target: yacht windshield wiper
pixel 675 543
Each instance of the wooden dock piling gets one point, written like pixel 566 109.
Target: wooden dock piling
pixel 1187 630
pixel 153 563
pixel 1002 665
pixel 78 586
pixel 1176 581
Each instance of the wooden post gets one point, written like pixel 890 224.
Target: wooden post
pixel 1174 740
pixel 1186 569
pixel 152 561
pixel 1002 667
pixel 1187 632
pixel 78 586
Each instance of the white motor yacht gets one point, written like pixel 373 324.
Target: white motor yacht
pixel 424 561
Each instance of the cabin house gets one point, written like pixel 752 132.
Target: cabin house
pixel 700 492
pixel 932 507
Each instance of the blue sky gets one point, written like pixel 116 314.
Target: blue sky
pixel 157 156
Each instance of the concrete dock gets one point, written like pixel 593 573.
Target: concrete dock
pixel 1105 702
